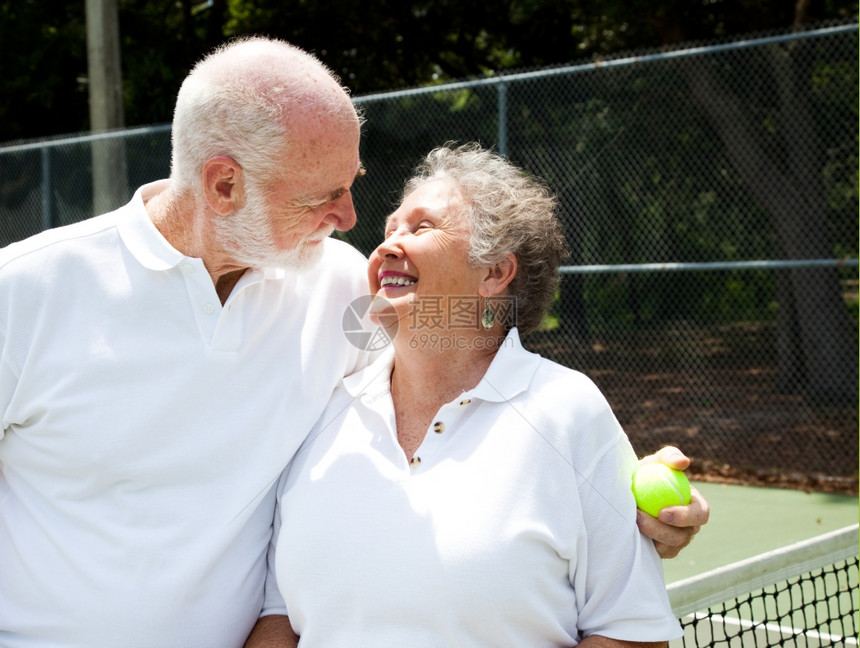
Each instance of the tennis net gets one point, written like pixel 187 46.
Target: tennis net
pixel 802 595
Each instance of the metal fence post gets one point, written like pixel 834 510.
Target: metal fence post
pixel 503 118
pixel 47 216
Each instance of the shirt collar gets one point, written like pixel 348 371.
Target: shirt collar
pixel 151 249
pixel 509 374
pixel 141 236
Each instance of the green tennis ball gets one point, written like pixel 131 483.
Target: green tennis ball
pixel 656 486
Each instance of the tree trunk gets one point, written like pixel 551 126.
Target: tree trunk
pixel 790 370
pixel 779 170
pixel 110 186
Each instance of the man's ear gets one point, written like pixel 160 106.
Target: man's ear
pixel 498 276
pixel 223 184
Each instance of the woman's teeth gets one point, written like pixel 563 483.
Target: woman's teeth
pixel 395 281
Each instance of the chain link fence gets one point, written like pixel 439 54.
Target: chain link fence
pixel 709 196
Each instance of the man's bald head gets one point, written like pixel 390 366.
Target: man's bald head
pixel 248 100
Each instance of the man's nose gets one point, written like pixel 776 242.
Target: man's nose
pixel 341 213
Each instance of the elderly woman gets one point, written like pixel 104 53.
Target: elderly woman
pixel 462 491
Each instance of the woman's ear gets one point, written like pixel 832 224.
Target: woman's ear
pixel 498 276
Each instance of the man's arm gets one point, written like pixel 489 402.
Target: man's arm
pixel 274 631
pixel 675 527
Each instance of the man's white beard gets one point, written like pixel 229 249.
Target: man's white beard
pixel 246 235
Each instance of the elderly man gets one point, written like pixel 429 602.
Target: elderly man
pixel 160 364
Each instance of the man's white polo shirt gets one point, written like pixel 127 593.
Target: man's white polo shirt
pixel 144 426
pixel 516 528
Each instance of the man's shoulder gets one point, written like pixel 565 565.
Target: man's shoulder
pixel 336 279
pixel 54 244
pixel 341 263
pixel 342 254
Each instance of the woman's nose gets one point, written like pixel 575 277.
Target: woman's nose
pixel 390 246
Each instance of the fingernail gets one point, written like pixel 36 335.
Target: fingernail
pixel 675 454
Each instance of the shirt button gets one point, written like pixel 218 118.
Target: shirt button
pixel 438 427
pixel 188 268
pixel 209 309
pixel 465 401
pixel 415 461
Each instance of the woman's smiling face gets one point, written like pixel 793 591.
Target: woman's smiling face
pixel 425 254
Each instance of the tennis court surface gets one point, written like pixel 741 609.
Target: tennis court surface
pixel 771 568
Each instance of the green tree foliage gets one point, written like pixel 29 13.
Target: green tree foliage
pixel 628 189
pixel 42 68
pixel 374 45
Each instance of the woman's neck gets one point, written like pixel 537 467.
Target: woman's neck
pixel 426 377
pixel 438 376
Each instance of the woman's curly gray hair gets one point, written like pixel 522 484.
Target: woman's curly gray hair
pixel 508 212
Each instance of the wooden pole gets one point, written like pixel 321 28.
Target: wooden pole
pixel 110 184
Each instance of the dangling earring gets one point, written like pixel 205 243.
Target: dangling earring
pixel 488 318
